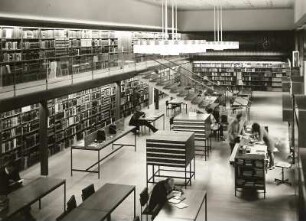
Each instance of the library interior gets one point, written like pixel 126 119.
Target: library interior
pixel 190 109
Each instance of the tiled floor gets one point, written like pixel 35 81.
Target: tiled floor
pixel 215 175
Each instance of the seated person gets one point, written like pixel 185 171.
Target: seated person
pixel 9 178
pixel 136 121
pixel 261 134
pixel 162 191
pixel 214 119
pixel 10 181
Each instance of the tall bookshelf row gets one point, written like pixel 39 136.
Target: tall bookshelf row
pixel 263 76
pixel 30 54
pixel 70 118
pixel 133 93
pixel 35 53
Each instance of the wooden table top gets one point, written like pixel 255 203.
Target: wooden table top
pixel 81 214
pixel 108 197
pixel 194 199
pixel 29 194
pixel 109 140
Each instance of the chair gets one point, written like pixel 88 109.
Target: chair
pixel 88 191
pixel 169 107
pixel 71 204
pixel 171 121
pixel 144 198
pixel 282 165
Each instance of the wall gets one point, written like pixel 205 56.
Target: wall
pixel 236 20
pixel 122 12
pixel 299 11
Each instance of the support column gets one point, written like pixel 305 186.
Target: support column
pixel 118 100
pixel 156 99
pixel 43 137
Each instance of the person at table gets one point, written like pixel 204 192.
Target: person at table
pixel 261 134
pixel 137 122
pixel 234 130
pixel 214 119
pixel 10 181
pixel 162 191
pixel 9 178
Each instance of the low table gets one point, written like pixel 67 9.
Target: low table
pixel 194 200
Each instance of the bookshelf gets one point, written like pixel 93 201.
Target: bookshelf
pixel 256 75
pixel 133 93
pixel 70 118
pixel 31 54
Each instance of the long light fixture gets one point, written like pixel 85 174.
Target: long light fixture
pixel 175 46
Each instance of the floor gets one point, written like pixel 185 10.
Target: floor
pixel 215 175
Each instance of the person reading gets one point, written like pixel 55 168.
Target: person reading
pixel 137 121
pixel 235 129
pixel 9 181
pixel 261 134
pixel 162 191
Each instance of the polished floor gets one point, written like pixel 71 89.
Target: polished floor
pixel 215 175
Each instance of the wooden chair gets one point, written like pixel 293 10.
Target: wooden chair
pixel 71 204
pixel 88 191
pixel 144 203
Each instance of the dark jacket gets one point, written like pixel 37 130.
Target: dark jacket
pixel 7 181
pixel 134 119
pixel 159 195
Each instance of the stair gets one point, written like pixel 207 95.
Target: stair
pixel 184 94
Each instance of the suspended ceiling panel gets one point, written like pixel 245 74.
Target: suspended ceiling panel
pixel 227 4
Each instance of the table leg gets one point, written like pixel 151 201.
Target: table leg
pixel 135 141
pixel 98 164
pixel 71 161
pixel 109 218
pixel 134 202
pixel 153 175
pixel 39 203
pixel 206 207
pixel 186 108
pixel 65 195
pixel 164 121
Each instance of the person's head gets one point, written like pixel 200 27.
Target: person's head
pixel 137 108
pixel 255 128
pixel 239 116
pixel 209 110
pixel 9 166
pixel 170 182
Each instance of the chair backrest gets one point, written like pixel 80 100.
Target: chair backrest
pixel 167 103
pixel 87 191
pixel 144 197
pixel 171 121
pixel 71 204
pixel 224 119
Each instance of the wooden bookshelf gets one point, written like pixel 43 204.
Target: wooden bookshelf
pixel 262 76
pixel 30 54
pixel 70 118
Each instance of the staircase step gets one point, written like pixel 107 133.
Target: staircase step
pixel 190 96
pixel 197 100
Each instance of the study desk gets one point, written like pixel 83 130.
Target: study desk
pixel 108 198
pixel 177 102
pixel 97 147
pixel 194 200
pixel 30 193
pixel 153 118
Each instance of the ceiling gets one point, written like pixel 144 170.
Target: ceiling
pixel 227 4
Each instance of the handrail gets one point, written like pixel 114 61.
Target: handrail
pixel 208 81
